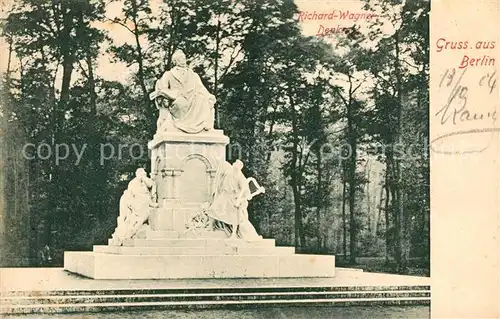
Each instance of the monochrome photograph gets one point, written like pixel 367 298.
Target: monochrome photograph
pixel 215 159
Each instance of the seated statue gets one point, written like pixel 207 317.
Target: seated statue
pixel 184 102
pixel 136 205
pixel 230 201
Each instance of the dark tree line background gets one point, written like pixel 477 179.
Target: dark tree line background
pixel 316 122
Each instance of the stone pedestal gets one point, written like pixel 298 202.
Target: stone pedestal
pixel 183 167
pixel 200 254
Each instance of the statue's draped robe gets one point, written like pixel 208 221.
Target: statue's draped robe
pixel 142 201
pixel 192 106
pixel 135 209
pixel 122 221
pixel 230 201
pixel 223 206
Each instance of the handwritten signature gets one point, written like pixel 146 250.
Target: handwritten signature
pixel 455 110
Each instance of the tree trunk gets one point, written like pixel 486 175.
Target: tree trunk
pixel 295 179
pixel 344 218
pixel 92 88
pixel 367 196
pixel 319 197
pixel 402 221
pixel 379 210
pixel 149 108
pixel 216 69
pixel 14 208
pixel 93 133
pixel 4 130
pixel 68 58
pixel 387 210
pixel 298 212
pixel 351 176
pixel 352 209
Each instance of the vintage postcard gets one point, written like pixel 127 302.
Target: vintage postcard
pixel 249 159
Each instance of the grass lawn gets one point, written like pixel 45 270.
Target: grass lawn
pixel 417 266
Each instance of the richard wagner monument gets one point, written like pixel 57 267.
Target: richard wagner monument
pixel 189 218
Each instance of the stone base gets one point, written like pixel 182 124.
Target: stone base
pixel 113 266
pixel 196 254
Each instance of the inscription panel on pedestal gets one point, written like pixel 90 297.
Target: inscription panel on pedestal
pixel 194 180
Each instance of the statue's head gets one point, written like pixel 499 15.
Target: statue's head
pixel 179 58
pixel 238 164
pixel 140 172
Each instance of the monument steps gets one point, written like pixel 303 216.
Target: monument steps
pixel 210 250
pixel 239 290
pixel 197 242
pixel 214 297
pixel 110 300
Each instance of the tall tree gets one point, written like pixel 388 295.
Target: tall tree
pixel 401 76
pixel 352 110
pixel 136 19
pixel 48 36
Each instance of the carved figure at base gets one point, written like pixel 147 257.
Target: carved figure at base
pixel 183 101
pixel 136 205
pixel 230 201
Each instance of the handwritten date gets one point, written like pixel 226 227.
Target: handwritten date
pixel 455 109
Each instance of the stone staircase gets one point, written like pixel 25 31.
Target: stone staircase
pixel 196 254
pixel 203 269
pixel 202 298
